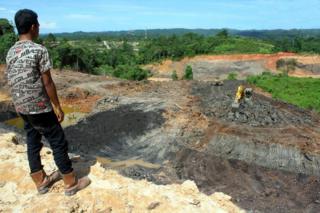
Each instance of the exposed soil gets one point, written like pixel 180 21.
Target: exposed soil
pixel 251 187
pixel 108 192
pixel 263 112
pixel 266 155
pixel 211 67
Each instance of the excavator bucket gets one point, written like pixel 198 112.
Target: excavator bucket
pixel 235 105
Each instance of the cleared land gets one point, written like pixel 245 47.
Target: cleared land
pixel 219 66
pixel 266 156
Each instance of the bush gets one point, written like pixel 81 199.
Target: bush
pixel 174 75
pixel 188 74
pixel 130 72
pixel 280 63
pixel 123 71
pixel 232 76
pixel 6 41
pixel 266 72
pixel 286 65
pixel 251 79
pixel 103 70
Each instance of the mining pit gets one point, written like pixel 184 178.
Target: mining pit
pixel 264 155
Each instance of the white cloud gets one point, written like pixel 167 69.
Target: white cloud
pixel 49 25
pixel 3 9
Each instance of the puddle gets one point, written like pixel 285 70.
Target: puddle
pixel 72 116
pixel 4 97
pixel 107 162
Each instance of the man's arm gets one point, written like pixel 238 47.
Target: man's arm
pixel 52 93
pixel 5 77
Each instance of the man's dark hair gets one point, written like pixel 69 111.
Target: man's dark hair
pixel 24 19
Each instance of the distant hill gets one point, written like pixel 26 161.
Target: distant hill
pixel 261 34
pixel 278 34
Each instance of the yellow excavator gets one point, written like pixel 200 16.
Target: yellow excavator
pixel 242 93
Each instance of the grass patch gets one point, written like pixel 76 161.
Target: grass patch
pixel 303 92
pixel 232 76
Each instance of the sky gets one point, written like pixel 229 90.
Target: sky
pixel 113 15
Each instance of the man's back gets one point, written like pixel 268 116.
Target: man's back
pixel 26 61
pixel 33 90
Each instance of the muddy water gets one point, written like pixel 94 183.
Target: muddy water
pixel 72 116
pixel 108 162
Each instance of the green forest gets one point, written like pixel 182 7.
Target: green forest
pixel 121 55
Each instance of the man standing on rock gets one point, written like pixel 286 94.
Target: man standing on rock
pixel 33 91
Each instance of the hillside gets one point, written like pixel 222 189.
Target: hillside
pixel 109 192
pixel 213 67
pixel 171 132
pixel 260 34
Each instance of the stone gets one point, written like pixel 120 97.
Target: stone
pixel 153 205
pixel 189 187
pixel 195 202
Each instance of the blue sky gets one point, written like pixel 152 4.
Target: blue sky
pixel 111 15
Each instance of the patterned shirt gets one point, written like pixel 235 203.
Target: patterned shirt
pixel 26 61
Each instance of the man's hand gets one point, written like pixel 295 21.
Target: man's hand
pixel 60 114
pixel 52 93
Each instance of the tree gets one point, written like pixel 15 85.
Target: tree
pixel 5 27
pixel 61 55
pixel 39 40
pixel 6 41
pixel 50 38
pixel 98 39
pixel 188 74
pixel 223 34
pixel 7 38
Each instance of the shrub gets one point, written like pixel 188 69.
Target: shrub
pixel 188 74
pixel 280 63
pixel 6 41
pixel 123 71
pixel 174 75
pixel 266 72
pixel 286 65
pixel 232 76
pixel 130 72
pixel 104 70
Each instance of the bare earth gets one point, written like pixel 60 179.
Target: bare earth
pixel 109 191
pixel 210 67
pixel 139 138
